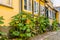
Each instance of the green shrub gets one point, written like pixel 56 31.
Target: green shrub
pixel 55 25
pixel 24 25
pixel 21 27
pixel 1 20
pixel 43 24
pixel 3 36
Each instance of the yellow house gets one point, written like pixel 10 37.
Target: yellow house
pixel 50 12
pixel 9 8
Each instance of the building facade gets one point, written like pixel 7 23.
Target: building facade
pixel 9 8
pixel 58 16
pixel 51 13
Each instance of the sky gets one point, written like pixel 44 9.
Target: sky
pixel 56 2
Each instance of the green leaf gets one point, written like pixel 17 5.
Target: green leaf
pixel 23 19
pixel 22 35
pixel 28 30
pixel 28 34
pixel 16 33
pixel 1 22
pixel 20 24
pixel 24 28
pixel 1 18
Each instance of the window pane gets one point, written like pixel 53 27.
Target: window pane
pixel 29 5
pixel 10 2
pixel 54 15
pixel 42 10
pixel 36 7
pixel 25 4
pixel 46 9
pixel 49 14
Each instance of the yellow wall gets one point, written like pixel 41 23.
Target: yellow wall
pixel 7 12
pixel 57 16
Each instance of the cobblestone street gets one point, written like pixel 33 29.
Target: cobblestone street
pixel 54 37
pixel 48 36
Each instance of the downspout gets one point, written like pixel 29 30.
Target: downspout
pixel 20 6
pixel 39 8
pixel 32 8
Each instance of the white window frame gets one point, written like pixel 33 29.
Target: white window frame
pixel 42 10
pixel 49 14
pixel 10 2
pixel 53 15
pixel 36 10
pixel 29 9
pixel 6 4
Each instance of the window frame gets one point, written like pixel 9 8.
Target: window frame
pixel 27 5
pixel 5 4
pixel 42 10
pixel 36 7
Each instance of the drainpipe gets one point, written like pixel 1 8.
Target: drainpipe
pixel 38 13
pixel 39 8
pixel 20 6
pixel 33 8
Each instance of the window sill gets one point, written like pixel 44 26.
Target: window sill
pixel 6 5
pixel 51 18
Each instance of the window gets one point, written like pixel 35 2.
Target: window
pixel 10 2
pixel 51 14
pixel 27 5
pixel 42 10
pixel 46 11
pixel 54 15
pixel 36 7
pixel 6 2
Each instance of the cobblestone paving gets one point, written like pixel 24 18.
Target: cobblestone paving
pixel 48 36
pixel 54 37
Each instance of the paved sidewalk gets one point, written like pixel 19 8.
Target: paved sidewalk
pixel 54 37
pixel 48 36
